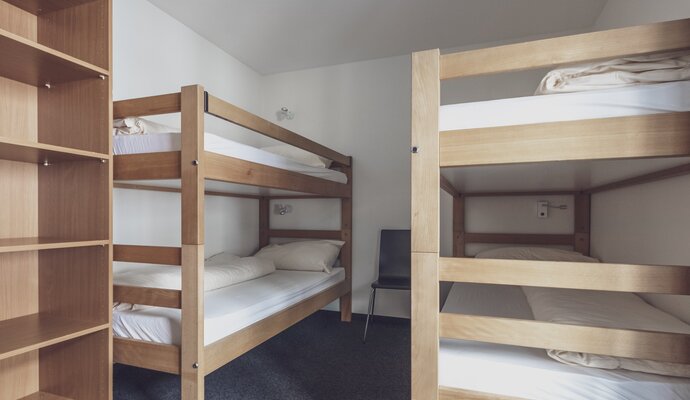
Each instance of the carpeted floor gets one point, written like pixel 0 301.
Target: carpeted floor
pixel 320 358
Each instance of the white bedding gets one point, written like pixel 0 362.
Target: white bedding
pixel 530 373
pixel 635 100
pixel 159 142
pixel 228 309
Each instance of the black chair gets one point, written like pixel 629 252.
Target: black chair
pixel 394 266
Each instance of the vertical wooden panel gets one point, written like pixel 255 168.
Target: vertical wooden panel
pixel 192 172
pixel 19 376
pixel 17 21
pixel 459 226
pixel 18 110
pixel 346 250
pixel 425 222
pixel 582 223
pixel 264 221
pixel 426 92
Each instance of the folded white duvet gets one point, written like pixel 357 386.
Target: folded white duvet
pixel 629 71
pixel 608 310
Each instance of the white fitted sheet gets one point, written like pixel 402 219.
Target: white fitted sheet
pixel 229 309
pixel 529 373
pixel 635 100
pixel 159 142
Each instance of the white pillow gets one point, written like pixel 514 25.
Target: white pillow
pixel 299 155
pixel 534 254
pixel 308 255
pixel 223 258
pixel 140 126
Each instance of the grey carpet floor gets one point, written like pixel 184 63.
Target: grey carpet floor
pixel 319 358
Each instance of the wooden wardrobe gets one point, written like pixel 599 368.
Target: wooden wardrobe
pixel 55 199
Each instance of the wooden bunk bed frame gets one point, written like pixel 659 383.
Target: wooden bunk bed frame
pixel 192 360
pixel 657 135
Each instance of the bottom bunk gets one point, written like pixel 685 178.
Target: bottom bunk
pixel 469 369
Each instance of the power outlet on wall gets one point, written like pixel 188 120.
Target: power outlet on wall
pixel 542 209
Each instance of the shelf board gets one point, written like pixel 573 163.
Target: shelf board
pixel 32 332
pixel 32 152
pixel 44 396
pixel 32 63
pixel 38 7
pixel 39 243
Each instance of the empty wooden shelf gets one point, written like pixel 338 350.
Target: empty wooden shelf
pixel 39 243
pixel 32 152
pixel 44 396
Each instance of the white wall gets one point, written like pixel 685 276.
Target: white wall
pixel 156 54
pixel 647 223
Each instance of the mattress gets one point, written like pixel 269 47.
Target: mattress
pixel 160 142
pixel 629 101
pixel 529 373
pixel 229 309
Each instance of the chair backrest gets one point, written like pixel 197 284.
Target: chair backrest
pixel 394 254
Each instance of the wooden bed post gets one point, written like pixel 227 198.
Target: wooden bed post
pixel 425 223
pixel 582 222
pixel 264 221
pixel 346 251
pixel 459 226
pixel 192 172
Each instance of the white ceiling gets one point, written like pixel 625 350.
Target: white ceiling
pixel 274 36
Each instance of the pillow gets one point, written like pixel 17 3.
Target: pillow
pixel 534 254
pixel 140 126
pixel 299 155
pixel 308 255
pixel 223 258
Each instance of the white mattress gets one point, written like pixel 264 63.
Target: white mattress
pixel 229 309
pixel 529 373
pixel 635 100
pixel 159 142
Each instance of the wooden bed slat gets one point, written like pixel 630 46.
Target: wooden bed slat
pixel 230 347
pixel 520 238
pixel 134 186
pixel 657 346
pixel 636 40
pixel 655 135
pixel 145 106
pixel 147 254
pixel 143 354
pixel 236 115
pixel 568 275
pixel 668 173
pixel 168 298
pixel 304 234
pixel 228 169
pixel 448 187
pixel 447 393
pixel 132 167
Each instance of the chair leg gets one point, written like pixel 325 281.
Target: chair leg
pixel 372 303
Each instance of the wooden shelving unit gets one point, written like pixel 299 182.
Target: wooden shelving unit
pixel 55 199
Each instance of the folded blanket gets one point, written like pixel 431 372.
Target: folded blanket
pixel 629 71
pixel 617 310
pixel 218 273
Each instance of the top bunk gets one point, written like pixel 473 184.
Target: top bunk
pixel 161 161
pixel 638 121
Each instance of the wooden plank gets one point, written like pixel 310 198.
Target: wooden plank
pixel 346 250
pixel 425 329
pixel 145 106
pixel 139 353
pixel 520 194
pixel 568 275
pixel 425 139
pixel 448 187
pixel 147 254
pixel 236 115
pixel 192 165
pixel 664 36
pixel 37 243
pixel 655 135
pixel 228 169
pixel 44 396
pixel 264 222
pixel 132 167
pixel 582 223
pixel 641 179
pixel 520 238
pixel 38 7
pixel 134 186
pixel 230 347
pixel 304 234
pixel 448 393
pixel 169 298
pixel 646 345
pixel 39 153
pixel 459 226
pixel 193 358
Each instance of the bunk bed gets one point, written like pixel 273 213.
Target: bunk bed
pixel 437 145
pixel 195 164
